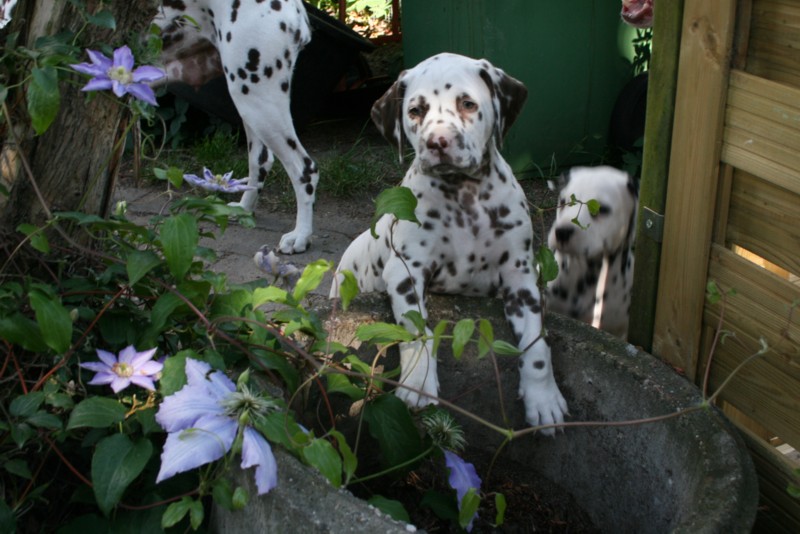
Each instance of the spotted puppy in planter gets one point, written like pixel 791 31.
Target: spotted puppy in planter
pixel 594 252
pixel 475 234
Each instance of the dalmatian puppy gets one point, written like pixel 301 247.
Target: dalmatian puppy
pixel 475 233
pixel 594 256
pixel 258 43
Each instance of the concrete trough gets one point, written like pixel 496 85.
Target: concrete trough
pixel 691 473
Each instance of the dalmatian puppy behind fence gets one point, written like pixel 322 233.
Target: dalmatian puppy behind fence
pixel 257 44
pixel 475 233
pixel 594 256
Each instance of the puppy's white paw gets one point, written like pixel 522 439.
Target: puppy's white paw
pixel 544 404
pixel 418 375
pixel 248 201
pixel 295 242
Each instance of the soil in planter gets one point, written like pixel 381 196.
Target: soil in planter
pixel 534 503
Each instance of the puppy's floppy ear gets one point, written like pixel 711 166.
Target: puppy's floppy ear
pixel 387 113
pixel 559 183
pixel 508 97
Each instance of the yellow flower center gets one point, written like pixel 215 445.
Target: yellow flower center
pixel 120 74
pixel 122 369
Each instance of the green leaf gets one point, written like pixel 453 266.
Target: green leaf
pixel 416 319
pixel 505 348
pixel 262 295
pixel 22 331
pixel 349 460
pixel 383 333
pixel 240 498
pixel 8 520
pixel 96 412
pixel 173 375
pixel 139 263
pixel 311 278
pixel 117 462
pixel 438 332
pixel 339 383
pixel 469 505
pixel 175 512
pixel 26 405
pixel 19 468
pixel 486 337
pixel 390 423
pixel 222 491
pixel 104 19
pixel 36 236
pixel 348 288
pixel 443 505
pixel 42 419
pixel 179 238
pixel 593 206
pixel 54 320
pixel 196 514
pixel 462 333
pixel 44 98
pixel 321 454
pixel 390 507
pixel 398 201
pixel 277 362
pixel 500 505
pixel 548 267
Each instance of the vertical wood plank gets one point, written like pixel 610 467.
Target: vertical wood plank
pixel 662 83
pixel 705 56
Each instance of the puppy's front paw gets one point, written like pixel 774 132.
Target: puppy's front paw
pixel 295 242
pixel 248 201
pixel 420 384
pixel 544 404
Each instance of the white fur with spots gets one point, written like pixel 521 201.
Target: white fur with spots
pixel 475 236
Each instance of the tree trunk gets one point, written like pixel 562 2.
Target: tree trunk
pixel 74 164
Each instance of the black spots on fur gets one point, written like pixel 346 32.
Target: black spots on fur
pixel 297 36
pixel 235 9
pixel 309 189
pixel 242 73
pixel 517 303
pixel 539 364
pixel 447 86
pixel 253 60
pixel 433 214
pixel 528 244
pixel 263 156
pixel 451 268
pixel 292 144
pixel 232 77
pixel 309 169
pixel 228 37
pixel 503 257
pixel 276 5
pixel 380 263
pixel 559 292
pixel 278 64
pixel 176 4
pixel 283 26
pixel 245 89
pixel 406 287
pixel 268 71
pixel 262 174
pixel 254 78
pixel 428 226
pixel 285 87
pixel 423 243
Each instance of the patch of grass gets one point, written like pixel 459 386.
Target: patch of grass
pixel 221 153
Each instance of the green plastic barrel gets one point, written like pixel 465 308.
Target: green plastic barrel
pixel 573 56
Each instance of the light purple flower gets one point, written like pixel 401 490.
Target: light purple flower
pixel 203 423
pixel 131 367
pixel 268 261
pixel 218 182
pixel 119 75
pixel 462 477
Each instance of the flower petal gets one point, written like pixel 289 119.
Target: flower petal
pixel 211 438
pixel 462 475
pixel 256 451
pixel 118 88
pixel 123 57
pixel 147 73
pixel 142 92
pixel 97 84
pixel 97 367
pixel 184 408
pixel 102 378
pixel 149 368
pixel 108 358
pixel 90 69
pixel 127 355
pixel 208 175
pixel 100 59
pixel 200 374
pixel 143 381
pixel 139 359
pixel 119 383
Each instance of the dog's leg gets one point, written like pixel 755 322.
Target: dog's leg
pixel 259 82
pixel 420 383
pixel 544 404
pixel 259 160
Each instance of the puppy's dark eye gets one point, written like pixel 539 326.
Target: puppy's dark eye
pixel 467 105
pixel 415 112
pixel 602 211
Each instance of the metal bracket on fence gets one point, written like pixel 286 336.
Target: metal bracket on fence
pixel 653 224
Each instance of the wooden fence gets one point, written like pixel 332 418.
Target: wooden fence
pixel 732 217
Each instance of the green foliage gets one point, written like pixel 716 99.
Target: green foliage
pixel 397 201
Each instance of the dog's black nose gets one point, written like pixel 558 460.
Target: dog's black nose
pixel 564 233
pixel 434 144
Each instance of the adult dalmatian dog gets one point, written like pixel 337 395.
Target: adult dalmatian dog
pixel 594 256
pixel 258 42
pixel 475 233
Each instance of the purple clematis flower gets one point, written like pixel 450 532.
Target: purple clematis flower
pixel 218 182
pixel 203 423
pixel 119 75
pixel 268 261
pixel 131 367
pixel 462 477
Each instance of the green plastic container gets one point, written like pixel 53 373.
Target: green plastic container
pixel 573 56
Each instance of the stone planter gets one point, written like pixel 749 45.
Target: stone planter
pixel 687 474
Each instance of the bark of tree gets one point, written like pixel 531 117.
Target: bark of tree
pixel 74 164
